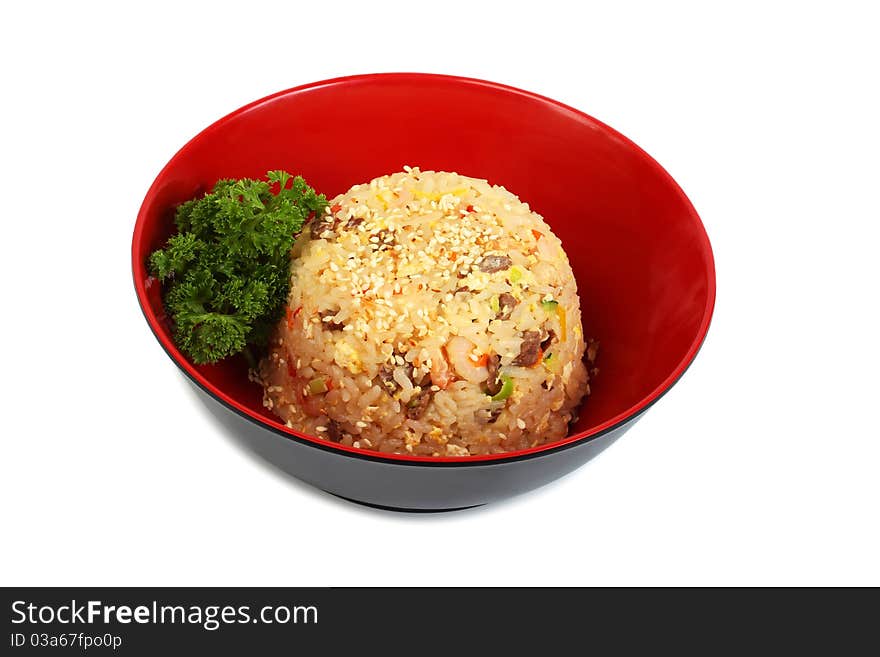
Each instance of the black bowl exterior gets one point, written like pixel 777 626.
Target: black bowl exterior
pixel 408 486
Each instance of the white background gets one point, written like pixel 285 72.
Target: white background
pixel 759 467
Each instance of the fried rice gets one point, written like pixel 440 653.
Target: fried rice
pixel 432 314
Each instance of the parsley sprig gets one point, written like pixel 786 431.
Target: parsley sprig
pixel 227 270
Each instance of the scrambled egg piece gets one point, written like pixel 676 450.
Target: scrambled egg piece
pixel 345 356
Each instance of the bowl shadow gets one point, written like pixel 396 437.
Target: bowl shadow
pixel 269 455
pixel 250 439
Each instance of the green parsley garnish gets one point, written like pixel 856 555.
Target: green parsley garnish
pixel 227 270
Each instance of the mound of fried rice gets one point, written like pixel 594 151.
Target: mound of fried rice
pixel 432 314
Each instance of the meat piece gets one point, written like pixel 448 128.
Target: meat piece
pixel 507 299
pixel 488 415
pixel 494 382
pixel 530 350
pixel 424 381
pixel 387 380
pixel 507 303
pixel 385 237
pixel 330 325
pixel 492 263
pixel 323 223
pixel 334 431
pixel 548 340
pixel 354 222
pixel 418 404
pixel 386 376
pixel 463 288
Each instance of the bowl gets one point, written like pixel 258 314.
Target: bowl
pixel 639 252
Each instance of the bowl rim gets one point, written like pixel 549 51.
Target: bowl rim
pixel 139 274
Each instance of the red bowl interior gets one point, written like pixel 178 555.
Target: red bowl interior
pixel 641 257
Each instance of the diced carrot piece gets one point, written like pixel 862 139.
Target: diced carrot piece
pixel 539 359
pixel 480 361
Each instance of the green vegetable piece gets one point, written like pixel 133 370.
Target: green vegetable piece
pixel 550 306
pixel 226 273
pixel 318 386
pixel 495 305
pixel 506 389
pixel 516 274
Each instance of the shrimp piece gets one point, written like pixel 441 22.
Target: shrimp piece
pixel 468 365
pixel 441 375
